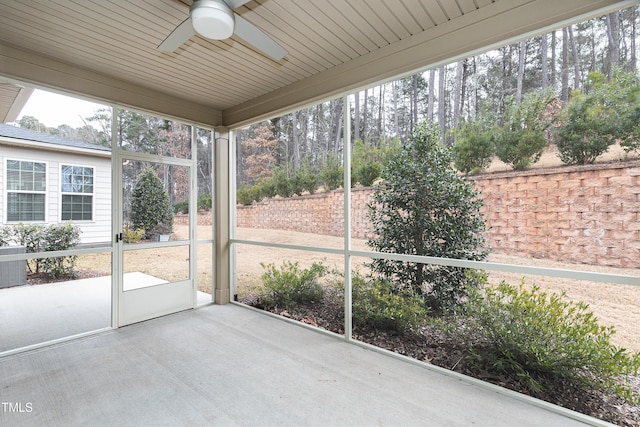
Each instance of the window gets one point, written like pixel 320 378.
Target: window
pixel 77 193
pixel 26 187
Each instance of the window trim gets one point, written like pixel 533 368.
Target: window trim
pixel 7 191
pixel 62 193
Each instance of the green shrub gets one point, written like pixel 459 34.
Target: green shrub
pixel 520 148
pixel 133 235
pixel 246 195
pixel 264 189
pixel 366 173
pixel 332 174
pixel 296 183
pixel 182 207
pixel 46 238
pixel 60 237
pixel 630 129
pixel 30 236
pixel 521 140
pixel 304 179
pixel 579 140
pixel 288 286
pixel 624 98
pixel 6 236
pixel 592 121
pixel 368 159
pixel 473 149
pixel 422 206
pixel 379 306
pixel 150 205
pixel 205 202
pixel 267 188
pixel 309 181
pixel 281 182
pixel 537 338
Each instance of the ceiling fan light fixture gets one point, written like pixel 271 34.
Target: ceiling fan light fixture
pixel 212 19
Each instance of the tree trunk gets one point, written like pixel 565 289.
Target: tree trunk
pixel 633 60
pixel 303 136
pixel 239 168
pixel 296 142
pixel 396 124
pixel 476 92
pixel 320 132
pixel 356 116
pixel 613 37
pixel 441 102
pixel 414 101
pixel 338 125
pixel 431 101
pixel 463 87
pixel 365 116
pixel 564 91
pixel 381 115
pixel 554 43
pixel 506 75
pixel 544 52
pixel 520 79
pixel 457 93
pixel 594 45
pixel 576 59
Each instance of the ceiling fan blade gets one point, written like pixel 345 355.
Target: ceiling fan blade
pixel 234 4
pixel 178 37
pixel 258 39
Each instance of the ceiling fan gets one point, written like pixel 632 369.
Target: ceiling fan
pixel 215 19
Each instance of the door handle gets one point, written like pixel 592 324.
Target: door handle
pixel 119 237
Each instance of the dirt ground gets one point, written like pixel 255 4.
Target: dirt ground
pixel 615 305
pixel 170 264
pixel 550 158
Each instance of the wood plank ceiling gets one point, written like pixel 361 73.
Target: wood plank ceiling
pixel 107 50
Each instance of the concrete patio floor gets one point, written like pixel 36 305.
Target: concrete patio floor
pixel 231 365
pixel 32 314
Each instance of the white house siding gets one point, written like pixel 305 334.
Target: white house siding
pixel 96 231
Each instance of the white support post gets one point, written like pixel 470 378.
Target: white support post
pixel 346 140
pixel 193 214
pixel 222 219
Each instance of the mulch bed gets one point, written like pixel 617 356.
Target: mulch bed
pixel 42 278
pixel 432 346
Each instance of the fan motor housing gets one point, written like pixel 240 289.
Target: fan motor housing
pixel 212 19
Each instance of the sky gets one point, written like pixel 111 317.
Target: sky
pixel 53 110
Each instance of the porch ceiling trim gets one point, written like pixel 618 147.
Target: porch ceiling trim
pixel 51 73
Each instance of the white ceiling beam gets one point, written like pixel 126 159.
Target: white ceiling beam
pixel 50 73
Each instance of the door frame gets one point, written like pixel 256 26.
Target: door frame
pixel 168 298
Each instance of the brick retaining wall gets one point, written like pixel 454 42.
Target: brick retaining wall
pixel 204 218
pixel 584 214
pixel 321 213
